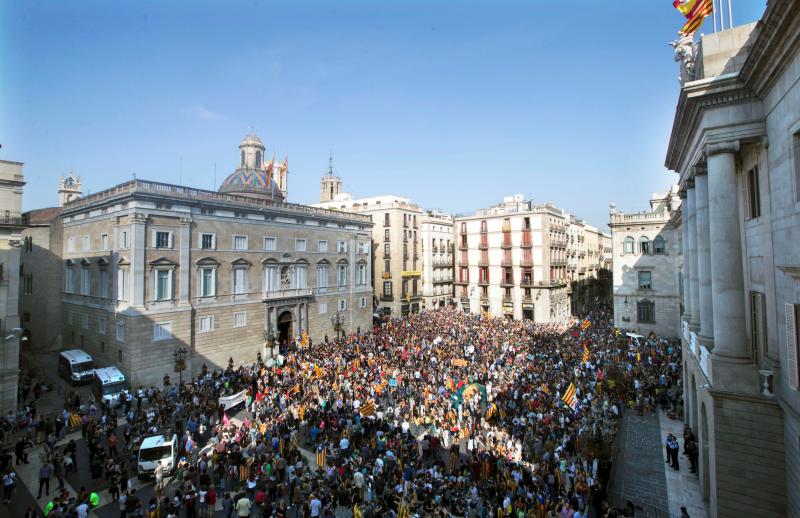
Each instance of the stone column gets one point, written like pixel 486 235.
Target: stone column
pixel 686 268
pixel 138 245
pixel 694 292
pixel 185 260
pixel 706 335
pixel 732 365
pixel 305 316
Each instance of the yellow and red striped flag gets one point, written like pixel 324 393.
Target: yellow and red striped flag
pixel 586 324
pixel 544 388
pixel 695 12
pixel 569 396
pixel 367 409
pixel 585 353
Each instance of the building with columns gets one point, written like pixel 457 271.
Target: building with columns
pixel 150 267
pixel 12 183
pixel 397 274
pixel 436 243
pixel 735 145
pixel 647 258
pixel 513 260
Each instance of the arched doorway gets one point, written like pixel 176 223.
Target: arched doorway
pixel 285 321
pixel 704 445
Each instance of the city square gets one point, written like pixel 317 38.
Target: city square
pixel 312 323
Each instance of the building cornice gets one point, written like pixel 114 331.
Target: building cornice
pixel 775 48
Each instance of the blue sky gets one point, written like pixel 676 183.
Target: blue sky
pixel 451 103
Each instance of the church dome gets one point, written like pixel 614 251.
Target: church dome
pixel 250 182
pixel 251 139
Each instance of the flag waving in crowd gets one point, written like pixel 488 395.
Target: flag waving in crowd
pixel 695 12
pixel 569 397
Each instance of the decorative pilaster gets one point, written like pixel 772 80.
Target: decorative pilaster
pixel 691 252
pixel 685 268
pixel 138 246
pixel 185 260
pixel 706 334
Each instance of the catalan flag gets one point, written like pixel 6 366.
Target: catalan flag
pixel 585 353
pixel 321 452
pixel 460 362
pixel 544 388
pixel 75 420
pixel 304 339
pixel 569 396
pixel 586 324
pixel 367 409
pixel 695 12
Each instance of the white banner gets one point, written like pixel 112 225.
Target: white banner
pixel 233 400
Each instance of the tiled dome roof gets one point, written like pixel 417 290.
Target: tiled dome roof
pixel 251 181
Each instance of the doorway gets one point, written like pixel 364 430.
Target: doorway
pixel 285 332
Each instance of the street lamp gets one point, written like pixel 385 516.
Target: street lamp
pixel 337 321
pixel 180 362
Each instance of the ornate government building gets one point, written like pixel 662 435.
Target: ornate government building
pixel 150 267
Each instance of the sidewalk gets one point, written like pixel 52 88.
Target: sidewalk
pixel 683 487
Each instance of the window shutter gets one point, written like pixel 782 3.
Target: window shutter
pixel 791 346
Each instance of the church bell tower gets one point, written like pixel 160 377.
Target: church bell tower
pixel 69 188
pixel 330 185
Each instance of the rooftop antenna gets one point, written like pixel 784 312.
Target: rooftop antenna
pixel 330 163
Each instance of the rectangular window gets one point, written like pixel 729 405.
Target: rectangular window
pixel 120 330
pixel 162 239
pixel 386 219
pixel 387 250
pixel 122 284
pixel 104 284
pixel 387 266
pixel 102 325
pixel 753 194
pixel 646 312
pixel 645 280
pixel 240 242
pixel 240 319
pixel 270 244
pixel 758 325
pixel 123 240
pixel 796 144
pixel 270 278
pixel 103 241
pixel 206 324
pixel 162 330
pixel 322 246
pixel 792 312
pixel 299 245
pixel 71 244
pixel 86 281
pixel 239 281
pixel 341 247
pixel 362 302
pixel 87 242
pixel 69 281
pixel 387 288
pixel 322 308
pixel 362 275
pixel 342 304
pixel 386 235
pixel 208 282
pixel 301 276
pixel 85 321
pixel 322 276
pixel 163 288
pixel 70 317
pixel 208 241
pixel 341 275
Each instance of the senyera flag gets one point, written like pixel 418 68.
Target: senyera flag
pixel 695 12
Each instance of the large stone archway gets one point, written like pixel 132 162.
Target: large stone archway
pixel 285 327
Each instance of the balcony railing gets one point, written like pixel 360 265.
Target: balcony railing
pixel 558 262
pixel 12 218
pixel 285 294
pixel 483 245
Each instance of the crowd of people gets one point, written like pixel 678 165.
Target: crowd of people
pixel 439 414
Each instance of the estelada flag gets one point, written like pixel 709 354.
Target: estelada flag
pixel 569 396
pixel 321 451
pixel 695 12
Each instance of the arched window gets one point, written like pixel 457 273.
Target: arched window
pixel 659 245
pixel 644 245
pixel 258 159
pixel 243 158
pixel 628 247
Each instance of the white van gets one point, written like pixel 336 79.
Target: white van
pixel 157 448
pixel 108 383
pixel 75 366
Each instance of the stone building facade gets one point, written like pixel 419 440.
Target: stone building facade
pixel 511 261
pixel 647 257
pixel 12 183
pixel 588 261
pixel 436 243
pixel 397 272
pixel 735 144
pixel 149 268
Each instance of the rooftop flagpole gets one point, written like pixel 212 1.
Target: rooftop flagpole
pixel 714 13
pixel 730 15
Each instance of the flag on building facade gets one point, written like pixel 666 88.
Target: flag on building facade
pixel 569 396
pixel 695 12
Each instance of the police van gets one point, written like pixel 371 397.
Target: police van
pixel 108 384
pixel 157 448
pixel 75 366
